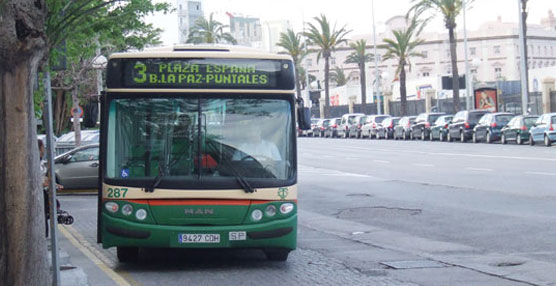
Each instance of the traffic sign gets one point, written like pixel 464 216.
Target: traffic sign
pixel 78 110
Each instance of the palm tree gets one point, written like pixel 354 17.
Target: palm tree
pixel 326 40
pixel 360 57
pixel 401 49
pixel 209 32
pixel 449 9
pixel 338 76
pixel 291 42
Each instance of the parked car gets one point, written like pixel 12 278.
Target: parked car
pixel 463 123
pixel 440 128
pixel 372 124
pixel 355 128
pixel 320 127
pixel 544 130
pixel 78 168
pixel 386 129
pixel 66 142
pixel 518 129
pixel 403 129
pixel 332 128
pixel 347 120
pixel 489 126
pixel 422 127
pixel 309 132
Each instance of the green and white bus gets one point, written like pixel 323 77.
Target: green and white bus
pixel 198 150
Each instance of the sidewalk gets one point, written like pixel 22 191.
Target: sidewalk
pixel 78 266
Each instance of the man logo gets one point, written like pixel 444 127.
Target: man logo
pixel 283 193
pixel 199 211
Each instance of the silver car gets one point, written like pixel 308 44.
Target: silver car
pixel 66 142
pixel 78 168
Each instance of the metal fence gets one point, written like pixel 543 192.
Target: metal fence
pixel 512 103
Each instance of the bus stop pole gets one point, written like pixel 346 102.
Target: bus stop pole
pixel 52 184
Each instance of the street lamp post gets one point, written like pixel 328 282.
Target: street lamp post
pixel 468 88
pixel 99 63
pixel 522 47
pixel 377 86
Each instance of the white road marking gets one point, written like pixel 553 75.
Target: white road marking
pixel 381 161
pixel 540 173
pixel 451 154
pixel 328 172
pixel 479 169
pixel 422 165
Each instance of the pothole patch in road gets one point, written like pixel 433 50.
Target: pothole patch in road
pixel 377 211
pixel 413 264
pixel 509 263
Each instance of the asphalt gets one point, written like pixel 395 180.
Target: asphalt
pixel 376 213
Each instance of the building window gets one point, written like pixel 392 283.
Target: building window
pixel 498 72
pixel 551 51
pixel 198 7
pixel 545 51
pixel 539 50
pixel 426 74
pixel 474 71
pixel 496 50
pixel 473 51
pixel 425 54
pixel 447 52
pixel 180 7
pixel 332 60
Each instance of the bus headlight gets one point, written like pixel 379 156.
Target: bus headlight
pixel 270 210
pixel 111 207
pixel 127 209
pixel 286 208
pixel 141 214
pixel 257 215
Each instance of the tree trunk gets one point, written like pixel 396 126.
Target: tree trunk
pixel 403 91
pixel 76 117
pixel 23 249
pixel 326 86
pixel 455 74
pixel 362 80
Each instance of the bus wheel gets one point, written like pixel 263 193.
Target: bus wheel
pixel 277 254
pixel 127 254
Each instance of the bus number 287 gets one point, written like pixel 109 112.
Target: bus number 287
pixel 117 192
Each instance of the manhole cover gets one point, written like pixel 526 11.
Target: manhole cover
pixel 412 264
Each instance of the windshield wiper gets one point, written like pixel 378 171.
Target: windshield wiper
pixel 157 179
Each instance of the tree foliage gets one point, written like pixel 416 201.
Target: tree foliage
pixel 209 31
pixel 327 39
pixel 291 43
pixel 402 49
pixel 449 10
pixel 359 57
pixel 338 76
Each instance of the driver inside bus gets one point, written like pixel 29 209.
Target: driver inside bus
pixel 258 148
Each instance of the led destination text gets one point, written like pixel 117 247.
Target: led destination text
pixel 185 74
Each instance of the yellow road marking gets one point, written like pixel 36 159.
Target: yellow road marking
pixel 69 232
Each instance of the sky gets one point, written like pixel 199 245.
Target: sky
pixel 355 14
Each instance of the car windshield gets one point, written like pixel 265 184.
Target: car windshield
pixel 504 118
pixel 379 119
pixel 474 117
pixel 433 118
pixel 529 121
pixel 553 120
pixel 162 137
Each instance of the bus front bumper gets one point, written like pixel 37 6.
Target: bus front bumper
pixel 277 233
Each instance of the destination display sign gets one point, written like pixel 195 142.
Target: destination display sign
pixel 200 73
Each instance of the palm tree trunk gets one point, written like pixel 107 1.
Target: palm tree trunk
pixel 455 74
pixel 326 86
pixel 403 91
pixel 362 80
pixel 297 85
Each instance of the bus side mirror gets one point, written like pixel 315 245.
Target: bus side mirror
pixel 303 115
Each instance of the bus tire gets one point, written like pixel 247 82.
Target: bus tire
pixel 127 254
pixel 277 254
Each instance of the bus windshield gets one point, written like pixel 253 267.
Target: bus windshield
pixel 231 137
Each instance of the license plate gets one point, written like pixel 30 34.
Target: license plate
pixel 198 238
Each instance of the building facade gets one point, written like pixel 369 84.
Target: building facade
pixel 188 12
pixel 246 30
pixel 493 55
